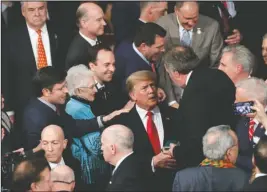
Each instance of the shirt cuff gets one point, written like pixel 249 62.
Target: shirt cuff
pixel 100 124
pixel 152 166
pixel 172 102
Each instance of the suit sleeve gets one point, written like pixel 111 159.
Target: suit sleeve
pixel 216 46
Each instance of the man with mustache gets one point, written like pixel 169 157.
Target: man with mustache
pixel 90 20
pixel 153 127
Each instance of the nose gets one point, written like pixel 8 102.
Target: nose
pixel 37 13
pixel 65 90
pixel 112 68
pixel 94 89
pixel 150 89
pixel 104 22
pixel 49 147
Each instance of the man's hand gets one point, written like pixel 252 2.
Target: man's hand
pixel 2 133
pixel 175 105
pixel 235 38
pixel 164 161
pixel 20 150
pixel 161 95
pixel 260 114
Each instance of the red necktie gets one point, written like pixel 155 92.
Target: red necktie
pixel 153 67
pixel 251 129
pixel 153 133
pixel 225 4
pixel 41 60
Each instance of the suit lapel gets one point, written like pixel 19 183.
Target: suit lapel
pixel 53 43
pixel 197 36
pixel 174 31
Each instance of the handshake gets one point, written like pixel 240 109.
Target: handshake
pixel 165 158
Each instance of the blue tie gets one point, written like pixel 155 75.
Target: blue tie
pixel 185 40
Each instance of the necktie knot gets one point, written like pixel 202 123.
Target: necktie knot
pixel 39 31
pixel 149 114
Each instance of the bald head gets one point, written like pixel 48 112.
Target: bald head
pixel 53 130
pixel 53 143
pixel 90 20
pixel 62 173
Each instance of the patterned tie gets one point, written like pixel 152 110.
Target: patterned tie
pixel 153 67
pixel 185 38
pixel 41 61
pixel 251 129
pixel 153 133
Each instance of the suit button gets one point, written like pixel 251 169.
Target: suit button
pixel 110 182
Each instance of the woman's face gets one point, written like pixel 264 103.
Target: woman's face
pixel 88 92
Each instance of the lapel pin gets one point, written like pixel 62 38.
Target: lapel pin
pixel 199 31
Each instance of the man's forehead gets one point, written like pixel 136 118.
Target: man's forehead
pixel 34 4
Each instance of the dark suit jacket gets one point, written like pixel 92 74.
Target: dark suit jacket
pixel 259 184
pixel 129 176
pixel 22 64
pixel 38 115
pixel 127 62
pixel 244 160
pixel 142 146
pixel 210 179
pixel 207 101
pixel 78 52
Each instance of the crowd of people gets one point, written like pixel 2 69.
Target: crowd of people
pixel 138 96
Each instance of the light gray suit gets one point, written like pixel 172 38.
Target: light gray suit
pixel 207 43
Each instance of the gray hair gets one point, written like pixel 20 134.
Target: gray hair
pixel 181 58
pixel 241 55
pixel 264 36
pixel 179 4
pixel 254 88
pixel 62 173
pixel 217 141
pixel 120 135
pixel 77 77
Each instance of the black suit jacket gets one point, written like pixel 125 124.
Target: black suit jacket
pixel 22 64
pixel 162 178
pixel 129 176
pixel 38 115
pixel 259 184
pixel 78 52
pixel 207 101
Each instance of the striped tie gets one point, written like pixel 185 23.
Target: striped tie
pixel 251 129
pixel 41 60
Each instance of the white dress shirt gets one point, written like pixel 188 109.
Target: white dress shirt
pixel 34 41
pixel 156 119
pixel 181 31
pixel 120 161
pixel 54 165
pixel 92 42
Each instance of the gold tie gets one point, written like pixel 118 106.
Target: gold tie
pixel 41 61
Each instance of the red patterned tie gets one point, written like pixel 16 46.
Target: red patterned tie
pixel 251 129
pixel 41 60
pixel 153 67
pixel 153 133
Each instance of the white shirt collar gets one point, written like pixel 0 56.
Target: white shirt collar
pixel 142 112
pixel 140 54
pixel 99 85
pixel 120 161
pixel 52 106
pixel 260 175
pixel 32 31
pixel 54 165
pixel 188 77
pixel 142 20
pixel 90 41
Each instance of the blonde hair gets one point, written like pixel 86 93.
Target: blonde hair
pixel 138 76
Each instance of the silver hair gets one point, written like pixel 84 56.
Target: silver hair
pixel 242 55
pixel 217 141
pixel 264 36
pixel 77 77
pixel 67 175
pixel 122 136
pixel 253 88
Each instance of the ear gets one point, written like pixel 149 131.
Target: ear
pixel 46 92
pixel 72 185
pixel 33 187
pixel 143 47
pixel 91 66
pixel 239 68
pixel 253 161
pixel 65 142
pixel 132 96
pixel 113 149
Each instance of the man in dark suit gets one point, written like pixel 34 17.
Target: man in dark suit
pixel 260 162
pixel 26 46
pixel 207 101
pixel 217 172
pixel 117 146
pixel 249 130
pixel 142 54
pixel 90 20
pixel 153 126
pixel 50 91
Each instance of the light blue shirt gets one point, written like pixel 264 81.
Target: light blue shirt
pixel 181 31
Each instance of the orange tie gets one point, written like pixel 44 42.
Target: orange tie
pixel 41 61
